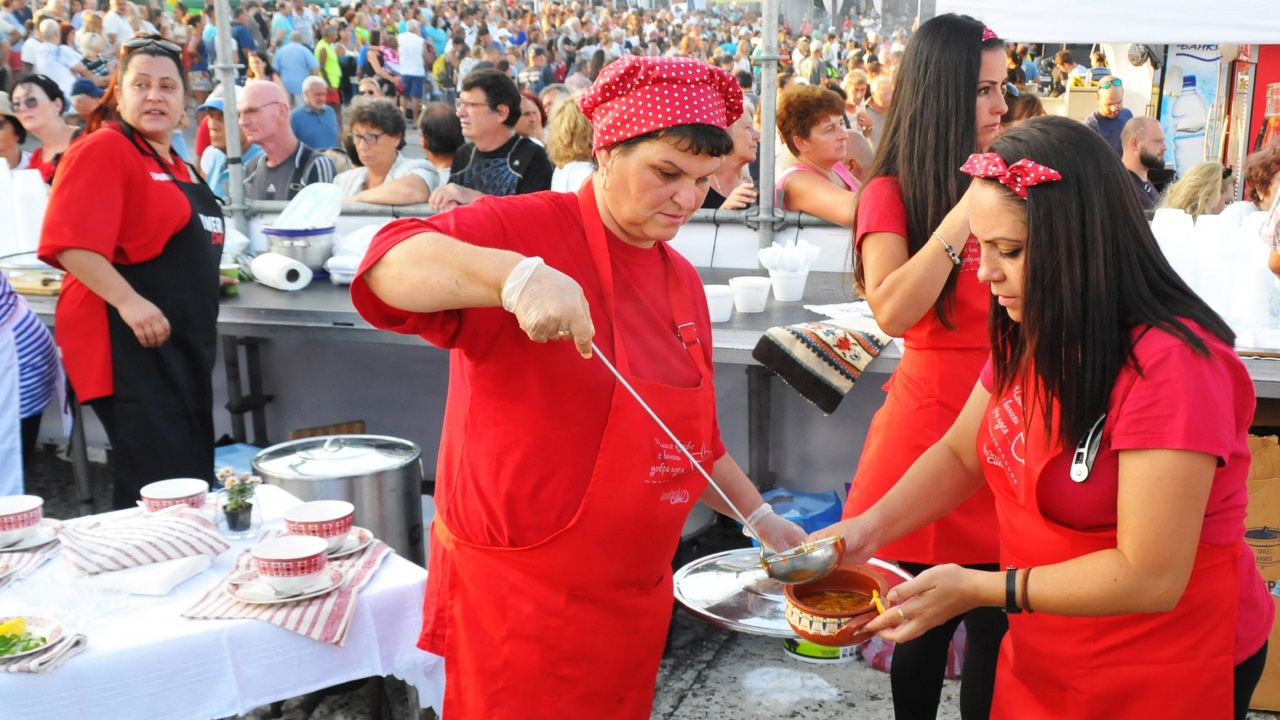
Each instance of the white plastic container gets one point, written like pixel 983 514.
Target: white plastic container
pixel 719 302
pixel 750 293
pixel 788 285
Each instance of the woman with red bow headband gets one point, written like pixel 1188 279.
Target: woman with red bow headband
pixel 1111 423
pixel 545 460
pixel 917 266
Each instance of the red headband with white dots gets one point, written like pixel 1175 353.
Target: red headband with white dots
pixel 1017 177
pixel 988 34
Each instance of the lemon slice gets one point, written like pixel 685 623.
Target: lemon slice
pixel 16 626
pixel 875 598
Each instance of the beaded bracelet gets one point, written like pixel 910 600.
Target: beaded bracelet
pixel 955 259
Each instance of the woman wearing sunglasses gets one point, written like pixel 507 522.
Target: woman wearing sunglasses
pixel 39 104
pixel 1111 423
pixel 136 321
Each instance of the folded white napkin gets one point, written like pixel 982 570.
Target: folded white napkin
pixel 58 652
pixel 156 579
pixel 792 257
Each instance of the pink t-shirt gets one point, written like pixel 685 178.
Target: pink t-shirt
pixel 1181 401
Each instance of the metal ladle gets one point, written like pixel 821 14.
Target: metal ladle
pixel 803 563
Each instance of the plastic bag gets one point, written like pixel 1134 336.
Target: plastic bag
pixel 878 653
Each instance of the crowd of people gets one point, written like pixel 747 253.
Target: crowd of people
pixel 972 220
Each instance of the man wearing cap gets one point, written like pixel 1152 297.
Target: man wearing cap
pixel 537 75
pixel 84 96
pixel 495 160
pixel 213 162
pixel 560 501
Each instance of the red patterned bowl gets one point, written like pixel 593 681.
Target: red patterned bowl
pixel 292 562
pixel 810 606
pixel 20 515
pixel 328 519
pixel 163 494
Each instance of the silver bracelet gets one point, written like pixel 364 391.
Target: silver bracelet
pixel 955 259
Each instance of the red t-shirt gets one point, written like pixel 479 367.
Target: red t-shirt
pixel 114 199
pixel 202 136
pixel 1181 401
pixel 881 209
pixel 523 421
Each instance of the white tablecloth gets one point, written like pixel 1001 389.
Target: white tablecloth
pixel 144 660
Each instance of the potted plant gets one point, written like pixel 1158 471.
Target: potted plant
pixel 237 505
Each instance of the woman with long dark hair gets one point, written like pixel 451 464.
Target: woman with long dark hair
pixel 137 318
pixel 1112 424
pixel 917 266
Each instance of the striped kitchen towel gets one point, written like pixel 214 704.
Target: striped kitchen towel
pixel 59 651
pixel 22 564
pixel 98 545
pixel 326 618
pixel 821 360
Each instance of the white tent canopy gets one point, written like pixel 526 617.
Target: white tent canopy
pixel 1154 22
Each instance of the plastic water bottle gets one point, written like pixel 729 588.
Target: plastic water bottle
pixel 1189 117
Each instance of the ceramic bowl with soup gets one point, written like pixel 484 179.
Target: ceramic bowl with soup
pixel 832 611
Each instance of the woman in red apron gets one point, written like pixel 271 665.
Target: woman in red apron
pixel 918 267
pixel 560 501
pixel 140 238
pixel 1111 425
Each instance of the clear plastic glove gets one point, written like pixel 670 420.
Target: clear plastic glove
pixel 548 304
pixel 774 532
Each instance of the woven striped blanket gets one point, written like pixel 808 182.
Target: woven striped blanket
pixel 821 360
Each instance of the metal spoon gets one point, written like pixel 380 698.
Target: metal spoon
pixel 803 563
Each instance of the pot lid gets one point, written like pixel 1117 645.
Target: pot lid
pixel 335 456
pixel 731 589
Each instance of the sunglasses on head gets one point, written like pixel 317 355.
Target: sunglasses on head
pixel 141 42
pixel 1110 82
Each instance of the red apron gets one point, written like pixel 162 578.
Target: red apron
pixel 926 393
pixel 574 626
pixel 1172 665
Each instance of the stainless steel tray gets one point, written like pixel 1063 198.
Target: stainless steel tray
pixel 731 589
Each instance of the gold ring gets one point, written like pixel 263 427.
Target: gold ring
pixel 902 614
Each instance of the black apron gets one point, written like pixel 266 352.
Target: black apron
pixel 163 397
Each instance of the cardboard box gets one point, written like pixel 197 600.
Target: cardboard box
pixel 1262 532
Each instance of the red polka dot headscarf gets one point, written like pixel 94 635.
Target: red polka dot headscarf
pixel 638 95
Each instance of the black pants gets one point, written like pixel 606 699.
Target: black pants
pixel 104 408
pixel 920 665
pixel 1247 675
pixel 30 430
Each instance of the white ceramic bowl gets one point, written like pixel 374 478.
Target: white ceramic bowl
pixel 328 519
pixel 750 293
pixel 290 563
pixel 161 494
pixel 719 302
pixel 20 515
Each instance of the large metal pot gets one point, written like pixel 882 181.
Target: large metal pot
pixel 381 476
pixel 310 247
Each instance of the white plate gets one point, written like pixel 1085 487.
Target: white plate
pixel 358 540
pixel 46 533
pixel 333 581
pixel 50 630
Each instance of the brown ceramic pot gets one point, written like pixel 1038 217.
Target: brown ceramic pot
pixel 834 629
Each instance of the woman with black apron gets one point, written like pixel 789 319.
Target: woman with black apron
pixel 140 238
